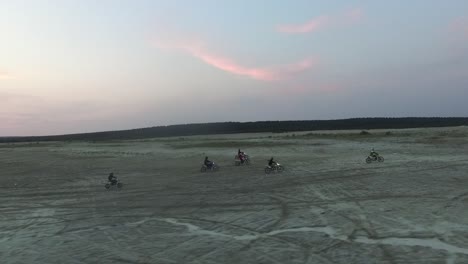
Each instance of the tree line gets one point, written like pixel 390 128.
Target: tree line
pixel 253 127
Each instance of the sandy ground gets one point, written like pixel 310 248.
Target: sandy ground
pixel 329 206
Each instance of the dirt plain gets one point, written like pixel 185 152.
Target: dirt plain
pixel 328 206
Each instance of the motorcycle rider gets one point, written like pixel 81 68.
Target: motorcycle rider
pixel 241 156
pixel 112 179
pixel 272 163
pixel 207 162
pixel 373 153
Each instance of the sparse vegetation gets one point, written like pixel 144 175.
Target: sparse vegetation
pixel 226 144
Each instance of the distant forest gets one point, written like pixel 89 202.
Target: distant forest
pixel 252 127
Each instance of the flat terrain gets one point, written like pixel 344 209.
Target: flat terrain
pixel 329 206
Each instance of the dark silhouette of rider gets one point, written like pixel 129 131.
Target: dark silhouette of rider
pixel 271 162
pixel 241 156
pixel 373 153
pixel 112 179
pixel 207 162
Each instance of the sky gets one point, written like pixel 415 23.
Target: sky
pixel 83 65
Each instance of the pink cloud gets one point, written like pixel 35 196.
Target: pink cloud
pixel 324 21
pixel 459 27
pixel 310 26
pixel 354 15
pixel 264 74
pixel 274 73
pixel 5 76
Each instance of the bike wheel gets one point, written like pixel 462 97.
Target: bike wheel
pixel 107 186
pixel 267 170
pixel 280 168
pixel 380 159
pixel 119 185
pixel 203 169
pixel 368 160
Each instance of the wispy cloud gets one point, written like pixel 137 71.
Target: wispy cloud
pixel 459 27
pixel 324 21
pixel 309 26
pixel 353 15
pixel 5 75
pixel 271 73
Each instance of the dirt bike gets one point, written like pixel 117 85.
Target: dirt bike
pixel 116 183
pixel 237 161
pixel 275 168
pixel 213 167
pixel 373 158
